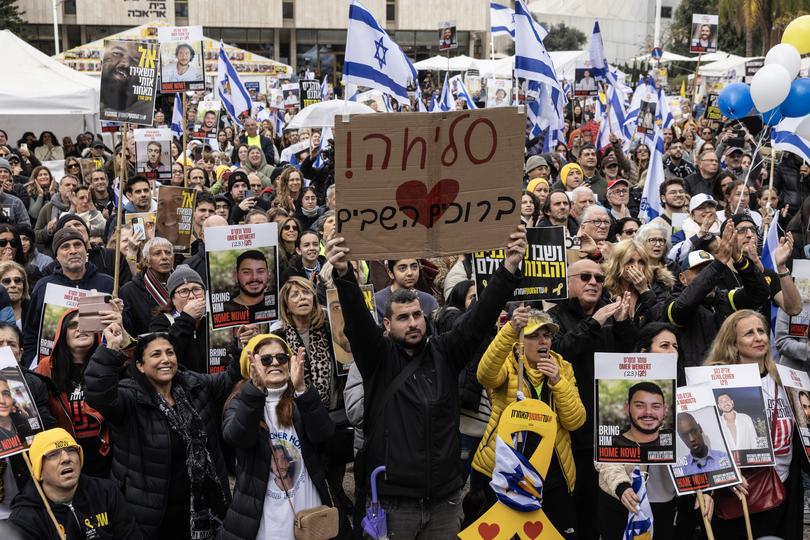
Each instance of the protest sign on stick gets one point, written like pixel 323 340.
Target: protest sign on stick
pixel 310 93
pixel 153 157
pixel 19 417
pixel 421 184
pixel 797 327
pixel 182 65
pixel 58 300
pixel 175 213
pixel 128 81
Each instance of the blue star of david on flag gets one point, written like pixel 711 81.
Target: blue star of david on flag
pixel 379 56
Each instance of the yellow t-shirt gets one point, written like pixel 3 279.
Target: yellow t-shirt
pixel 255 141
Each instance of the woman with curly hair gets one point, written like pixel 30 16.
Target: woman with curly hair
pixel 290 183
pixel 42 185
pixel 629 275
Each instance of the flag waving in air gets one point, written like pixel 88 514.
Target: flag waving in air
pixel 532 60
pixel 650 198
pixel 233 94
pixel 446 101
pixel 461 91
pixel 177 117
pixel 596 51
pixel 501 20
pixel 373 59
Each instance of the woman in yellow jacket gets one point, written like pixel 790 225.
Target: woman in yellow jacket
pixel 548 377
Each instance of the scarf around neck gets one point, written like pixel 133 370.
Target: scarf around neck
pixel 155 288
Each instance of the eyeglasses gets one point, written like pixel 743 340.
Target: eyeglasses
pixel 745 230
pixel 72 165
pixel 598 222
pixel 629 232
pixel 657 241
pixel 6 281
pixel 4 243
pixel 622 191
pixel 185 293
pixel 586 277
pixel 280 358
pixel 289 228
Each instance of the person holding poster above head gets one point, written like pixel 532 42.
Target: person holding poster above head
pixel 704 33
pixel 128 81
pixel 739 425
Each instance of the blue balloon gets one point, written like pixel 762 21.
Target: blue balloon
pixel 735 100
pixel 772 117
pixel 797 103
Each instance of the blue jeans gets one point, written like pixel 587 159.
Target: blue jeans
pixel 417 519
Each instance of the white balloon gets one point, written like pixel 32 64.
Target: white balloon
pixel 769 87
pixel 786 56
pixel 803 129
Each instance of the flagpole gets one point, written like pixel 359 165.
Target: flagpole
pixel 122 182
pixel 521 350
pixel 707 524
pixel 183 153
pixel 694 79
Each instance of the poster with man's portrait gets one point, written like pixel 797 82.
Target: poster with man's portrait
pixel 182 65
pixel 340 343
pixel 797 386
pixel 243 273
pixel 153 158
pixel 499 93
pixel 634 401
pixel 704 33
pixel 58 300
pixel 207 119
pixel 175 214
pixel 797 328
pixel 740 402
pixel 19 418
pixel 584 81
pixel 447 36
pixel 704 460
pixel 290 94
pixel 128 81
pixel 646 116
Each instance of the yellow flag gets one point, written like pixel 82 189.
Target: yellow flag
pixel 683 88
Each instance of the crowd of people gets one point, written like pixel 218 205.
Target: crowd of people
pixel 142 442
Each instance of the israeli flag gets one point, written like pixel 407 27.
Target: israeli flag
pixel 278 124
pixel 420 103
pixel 643 92
pixel 387 103
pixel 617 117
pixel 603 139
pixel 662 111
pixel 233 94
pixel 325 88
pixel 568 90
pixel 596 51
pixel 373 59
pixel 532 60
pixel 553 136
pixel 515 481
pixel 460 90
pixel 769 263
pixel 177 117
pixel 446 102
pixel 434 105
pixel 784 137
pixel 650 197
pixel 534 112
pixel 639 524
pixel 326 134
pixel 501 20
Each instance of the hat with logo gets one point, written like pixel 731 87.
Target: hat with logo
pixel 696 258
pixel 47 441
pixel 699 200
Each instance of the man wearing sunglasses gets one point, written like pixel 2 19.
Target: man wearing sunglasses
pixel 411 393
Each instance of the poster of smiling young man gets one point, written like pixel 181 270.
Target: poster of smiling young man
pixel 243 273
pixel 635 403
pixel 58 300
pixel 153 153
pixel 182 65
pixel 797 387
pixel 19 418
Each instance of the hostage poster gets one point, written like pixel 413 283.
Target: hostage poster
pixel 704 459
pixel 797 387
pixel 797 327
pixel 738 395
pixel 153 153
pixel 19 418
pixel 340 343
pixel 310 93
pixel 634 398
pixel 243 273
pixel 128 81
pixel 58 300
pixel 175 213
pixel 543 267
pixel 221 345
pixel 182 65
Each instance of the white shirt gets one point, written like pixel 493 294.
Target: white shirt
pixel 745 430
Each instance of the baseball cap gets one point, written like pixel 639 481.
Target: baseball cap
pixel 618 181
pixel 696 258
pixel 700 199
pixel 537 320
pixel 732 149
pixel 608 160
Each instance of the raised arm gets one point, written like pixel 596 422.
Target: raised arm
pixel 102 391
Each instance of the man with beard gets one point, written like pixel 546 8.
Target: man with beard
pixel 117 82
pixel 739 425
pixel 557 211
pixel 646 409
pixel 673 199
pixel 674 163
pixel 154 166
pixel 701 458
pixel 804 400
pixel 184 70
pixel 253 276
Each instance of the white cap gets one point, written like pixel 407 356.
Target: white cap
pixel 696 258
pixel 700 199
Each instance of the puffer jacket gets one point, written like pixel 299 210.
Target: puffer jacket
pixel 612 475
pixel 793 188
pixel 497 371
pixel 142 459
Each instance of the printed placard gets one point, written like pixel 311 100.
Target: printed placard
pixel 128 81
pixel 797 386
pixel 340 343
pixel 499 93
pixel 801 276
pixel 646 116
pixel 634 398
pixel 153 158
pixel 310 93
pixel 713 111
pixel 447 35
pixel 704 458
pixel 220 342
pixel 207 119
pixel 584 81
pixel 175 214
pixel 704 33
pixel 58 300
pixel 19 417
pixel 243 273
pixel 738 395
pixel 543 267
pixel 420 184
pixel 290 93
pixel 182 61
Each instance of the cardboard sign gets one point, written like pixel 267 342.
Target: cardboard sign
pixel 243 273
pixel 704 458
pixel 797 386
pixel 738 395
pixel 543 267
pixel 175 213
pixel 19 418
pixel 153 158
pixel 57 301
pixel 182 61
pixel 310 93
pixel 447 35
pixel 704 33
pixel 421 184
pixel 128 81
pixel 340 344
pixel 634 398
pixel 801 276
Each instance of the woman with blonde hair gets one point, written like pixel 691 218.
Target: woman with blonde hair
pixel 629 274
pixel 13 278
pixel 290 183
pixel 743 339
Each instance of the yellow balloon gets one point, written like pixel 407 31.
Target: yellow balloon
pixel 797 33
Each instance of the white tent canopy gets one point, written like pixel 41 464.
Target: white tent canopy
pixel 666 56
pixel 42 94
pixel 442 63
pixel 732 67
pixel 564 63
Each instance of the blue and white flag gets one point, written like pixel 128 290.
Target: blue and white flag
pixel 278 122
pixel 650 207
pixel 553 136
pixel 233 94
pixel 446 101
pixel 596 51
pixel 420 103
pixel 177 117
pixel 662 112
pixel 769 263
pixel 643 92
pixel 373 59
pixel 325 88
pixel 434 105
pixel 532 60
pixel 461 92
pixel 387 103
pixel 640 523
pixel 568 90
pixel 617 116
pixel 784 137
pixel 501 20
pixel 515 481
pixel 326 134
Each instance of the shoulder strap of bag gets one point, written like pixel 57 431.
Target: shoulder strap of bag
pixel 775 409
pixel 389 392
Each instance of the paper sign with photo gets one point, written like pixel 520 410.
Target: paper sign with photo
pixel 129 81
pixel 19 417
pixel 175 213
pixel 153 158
pixel 58 300
pixel 182 65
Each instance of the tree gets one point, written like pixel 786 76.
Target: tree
pixel 563 38
pixel 11 16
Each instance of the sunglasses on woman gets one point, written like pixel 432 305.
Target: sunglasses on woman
pixel 280 358
pixel 8 281
pixel 4 242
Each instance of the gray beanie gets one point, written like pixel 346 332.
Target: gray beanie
pixel 182 275
pixel 4 164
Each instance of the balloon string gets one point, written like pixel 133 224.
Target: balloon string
pixel 751 167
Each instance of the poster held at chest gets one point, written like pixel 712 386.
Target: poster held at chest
pixel 175 213
pixel 182 65
pixel 57 301
pixel 738 395
pixel 243 273
pixel 634 398
pixel 798 324
pixel 704 460
pixel 419 184
pixel 129 81
pixel 543 268
pixel 797 387
pixel 19 417
pixel 340 343
pixel 153 153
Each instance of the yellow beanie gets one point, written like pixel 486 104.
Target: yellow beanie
pixel 48 441
pixel 252 345
pixel 566 169
pixel 533 184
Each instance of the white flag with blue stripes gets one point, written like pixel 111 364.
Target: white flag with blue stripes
pixel 461 92
pixel 177 117
pixel 446 102
pixel 326 134
pixel 501 20
pixel 420 102
pixel 373 59
pixel 233 94
pixel 650 207
pixel 596 51
pixel 640 523
pixel 325 88
pixel 784 138
pixel 434 105
pixel 663 113
pixel 532 60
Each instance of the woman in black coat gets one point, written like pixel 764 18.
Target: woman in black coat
pixel 276 425
pixel 167 456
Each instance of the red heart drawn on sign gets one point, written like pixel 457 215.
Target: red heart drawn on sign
pixel 426 208
pixel 533 529
pixel 488 531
